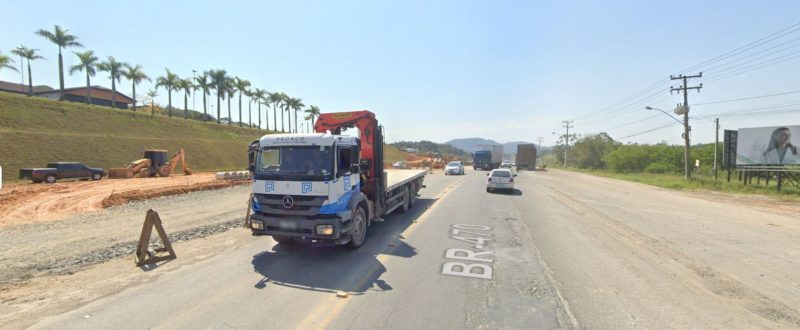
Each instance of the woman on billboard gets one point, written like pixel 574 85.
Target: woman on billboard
pixel 780 149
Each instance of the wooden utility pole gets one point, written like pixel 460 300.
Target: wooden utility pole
pixel 567 125
pixel 538 149
pixel 716 145
pixel 686 143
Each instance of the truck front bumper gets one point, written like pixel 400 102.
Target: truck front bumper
pixel 335 229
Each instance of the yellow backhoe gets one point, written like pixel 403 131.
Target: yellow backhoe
pixel 154 163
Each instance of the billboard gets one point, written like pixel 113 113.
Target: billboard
pixel 767 145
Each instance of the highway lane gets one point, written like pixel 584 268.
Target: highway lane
pixel 567 251
pixel 394 281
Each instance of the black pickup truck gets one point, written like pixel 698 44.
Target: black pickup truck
pixel 62 170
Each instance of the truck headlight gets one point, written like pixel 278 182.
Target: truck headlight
pixel 257 224
pixel 324 229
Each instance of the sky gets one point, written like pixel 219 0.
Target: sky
pixel 440 70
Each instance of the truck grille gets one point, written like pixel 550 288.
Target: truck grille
pixel 303 205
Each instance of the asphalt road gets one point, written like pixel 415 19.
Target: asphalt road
pixel 563 250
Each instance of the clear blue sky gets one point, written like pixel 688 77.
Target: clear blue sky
pixel 437 70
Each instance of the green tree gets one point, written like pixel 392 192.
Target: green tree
pixel 218 82
pixel 295 105
pixel 135 75
pixel 186 85
pixel 170 83
pixel 230 88
pixel 30 55
pixel 5 63
pixel 260 96
pixel 311 113
pixel 241 86
pixel 202 83
pixel 589 150
pixel 88 63
pixel 152 94
pixel 274 100
pixel 114 70
pixel 62 39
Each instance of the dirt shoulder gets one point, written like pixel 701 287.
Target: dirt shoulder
pixel 33 203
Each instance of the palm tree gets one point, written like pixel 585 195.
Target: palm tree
pixel 186 85
pixel 312 111
pixel 202 83
pixel 5 63
pixel 114 70
pixel 62 39
pixel 152 95
pixel 295 104
pixel 260 95
pixel 273 99
pixel 30 55
pixel 170 83
pixel 241 86
pixel 230 88
pixel 136 76
pixel 218 79
pixel 89 65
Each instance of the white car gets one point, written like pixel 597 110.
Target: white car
pixel 500 179
pixel 400 165
pixel 454 167
pixel 505 164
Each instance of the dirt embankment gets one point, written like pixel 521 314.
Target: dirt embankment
pixel 29 203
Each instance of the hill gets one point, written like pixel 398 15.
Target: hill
pixel 35 131
pixel 471 144
pixel 426 147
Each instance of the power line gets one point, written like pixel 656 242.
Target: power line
pixel 649 130
pixel 747 98
pixel 756 67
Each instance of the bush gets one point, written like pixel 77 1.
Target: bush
pixel 659 168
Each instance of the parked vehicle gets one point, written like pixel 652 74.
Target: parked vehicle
pixel 400 165
pixel 526 157
pixel 326 187
pixel 61 170
pixel 487 157
pixel 454 167
pixel 154 162
pixel 500 179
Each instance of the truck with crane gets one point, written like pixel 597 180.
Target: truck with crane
pixel 326 187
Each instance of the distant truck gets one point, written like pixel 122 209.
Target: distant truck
pixel 526 157
pixel 62 170
pixel 487 157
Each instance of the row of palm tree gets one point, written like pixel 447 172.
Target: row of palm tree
pixel 219 81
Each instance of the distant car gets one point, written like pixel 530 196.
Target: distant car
pixel 399 165
pixel 505 164
pixel 454 167
pixel 63 170
pixel 500 179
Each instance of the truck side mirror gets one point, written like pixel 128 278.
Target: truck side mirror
pixel 251 156
pixel 355 168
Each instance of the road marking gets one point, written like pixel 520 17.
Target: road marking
pixel 457 268
pixel 331 306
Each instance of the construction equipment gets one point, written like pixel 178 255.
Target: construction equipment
pixel 154 163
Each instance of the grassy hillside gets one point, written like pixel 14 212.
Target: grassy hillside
pixel 35 131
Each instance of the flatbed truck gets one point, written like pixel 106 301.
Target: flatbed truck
pixel 326 187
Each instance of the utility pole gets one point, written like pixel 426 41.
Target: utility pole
pixel 716 145
pixel 687 174
pixel 567 125
pixel 538 149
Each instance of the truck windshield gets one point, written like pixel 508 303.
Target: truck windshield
pixel 295 161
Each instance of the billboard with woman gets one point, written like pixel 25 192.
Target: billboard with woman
pixel 767 146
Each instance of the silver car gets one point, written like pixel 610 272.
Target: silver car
pixel 454 167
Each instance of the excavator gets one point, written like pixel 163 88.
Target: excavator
pixel 153 163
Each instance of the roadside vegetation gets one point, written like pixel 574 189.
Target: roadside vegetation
pixel 425 148
pixel 224 86
pixel 656 164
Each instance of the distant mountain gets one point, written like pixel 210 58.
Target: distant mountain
pixel 425 147
pixel 471 144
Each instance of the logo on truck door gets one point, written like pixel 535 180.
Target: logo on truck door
pixel 305 187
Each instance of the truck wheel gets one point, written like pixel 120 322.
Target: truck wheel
pixel 358 229
pixel 406 198
pixel 283 239
pixel 96 176
pixel 412 197
pixel 144 173
pixel 50 178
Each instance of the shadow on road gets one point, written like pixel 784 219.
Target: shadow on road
pixel 512 192
pixel 309 266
